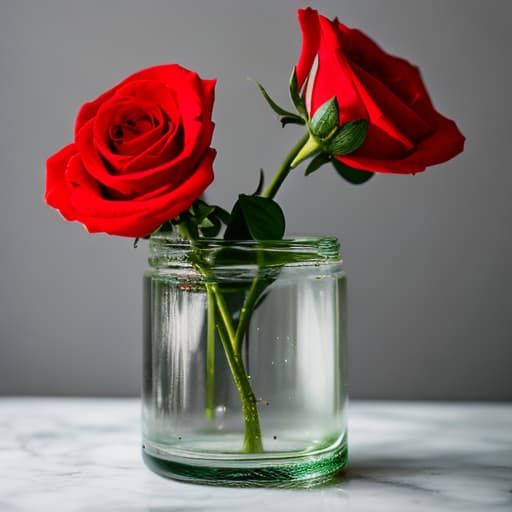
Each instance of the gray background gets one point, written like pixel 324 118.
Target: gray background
pixel 428 257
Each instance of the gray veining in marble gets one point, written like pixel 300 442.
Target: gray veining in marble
pixel 84 455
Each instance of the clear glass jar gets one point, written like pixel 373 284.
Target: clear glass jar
pixel 266 405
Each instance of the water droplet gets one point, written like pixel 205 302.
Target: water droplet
pixel 286 360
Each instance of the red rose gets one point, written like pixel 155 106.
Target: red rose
pixel 405 132
pixel 141 153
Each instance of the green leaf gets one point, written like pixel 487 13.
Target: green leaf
pixel 222 215
pixel 199 211
pixel 213 229
pixel 354 176
pixel 263 216
pixel 317 162
pixel 273 105
pixel 187 228
pixel 205 224
pixel 326 119
pixel 292 120
pixel 348 138
pixel 237 227
pixel 257 218
pixel 295 95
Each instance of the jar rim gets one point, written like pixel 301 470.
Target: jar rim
pixel 165 249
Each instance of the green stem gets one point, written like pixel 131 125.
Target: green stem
pixel 257 287
pixel 252 437
pixel 224 313
pixel 210 358
pixel 285 168
pixel 232 340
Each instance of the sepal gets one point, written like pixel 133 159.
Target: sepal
pixel 274 106
pixel 295 95
pixel 348 138
pixel 325 120
pixel 317 162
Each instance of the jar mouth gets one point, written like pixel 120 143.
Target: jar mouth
pixel 166 250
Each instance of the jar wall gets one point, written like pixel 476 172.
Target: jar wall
pixel 293 353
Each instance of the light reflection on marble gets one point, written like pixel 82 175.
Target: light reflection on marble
pixel 84 455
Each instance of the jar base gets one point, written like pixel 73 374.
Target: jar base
pixel 302 471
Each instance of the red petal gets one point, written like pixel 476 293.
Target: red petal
pixel 140 217
pixel 445 143
pixel 172 74
pixel 406 120
pixel 57 189
pixel 335 78
pixel 310 28
pixel 399 75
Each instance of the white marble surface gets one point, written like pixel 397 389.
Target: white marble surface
pixel 84 455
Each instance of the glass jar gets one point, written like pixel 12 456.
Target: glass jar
pixel 244 361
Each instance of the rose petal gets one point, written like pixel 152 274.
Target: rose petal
pixel 399 75
pixel 57 192
pixel 136 218
pixel 334 78
pixel 406 120
pixel 171 74
pixel 310 28
pixel 445 142
pixel 154 96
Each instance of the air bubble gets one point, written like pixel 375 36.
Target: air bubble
pixel 220 409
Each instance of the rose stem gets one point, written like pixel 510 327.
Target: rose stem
pixel 252 437
pixel 210 358
pixel 258 286
pixel 285 168
pixel 232 340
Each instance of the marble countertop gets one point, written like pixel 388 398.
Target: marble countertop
pixel 84 455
